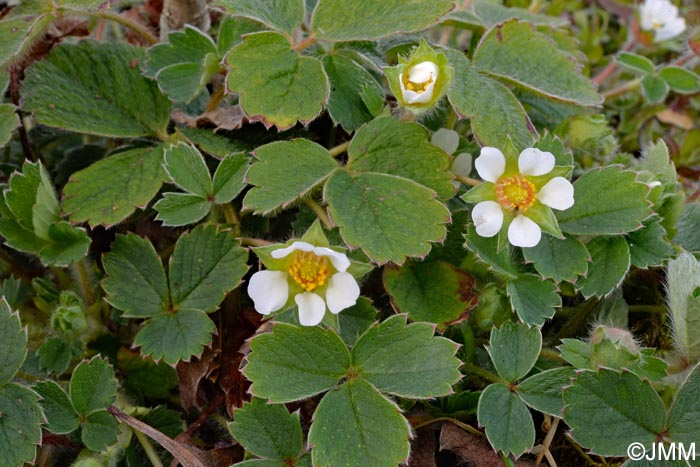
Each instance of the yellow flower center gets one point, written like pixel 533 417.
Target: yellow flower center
pixel 656 25
pixel 416 87
pixel 309 270
pixel 515 192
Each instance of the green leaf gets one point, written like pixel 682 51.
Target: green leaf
pixel 435 292
pixel 135 281
pixel 407 361
pixel 134 176
pixel 508 423
pixel 229 178
pixel 285 172
pixel 94 88
pixel 188 170
pixel 654 89
pixel 486 248
pixel 13 342
pixel 282 15
pixel 293 363
pixel 354 321
pixel 561 260
pixel 55 355
pixel 493 111
pixel 176 336
pixel 204 267
pixel 345 20
pixel 514 349
pixel 648 246
pixel 60 414
pixel 636 63
pixel 232 29
pixel 684 417
pixel 176 209
pixel 274 83
pixel 390 146
pixel 351 86
pixel 20 425
pixel 267 430
pixel 100 431
pixel 484 14
pixel 212 143
pixel 680 79
pixel 144 376
pixel 517 52
pixel 92 386
pixel 608 201
pixel 389 217
pixel 683 279
pixel 610 260
pixel 8 122
pixel 66 245
pixel 355 426
pixel 533 299
pixel 544 391
pixel 19 33
pixel 625 410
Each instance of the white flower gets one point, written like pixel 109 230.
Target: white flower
pixel 517 193
pixel 418 83
pixel 316 275
pixel 661 16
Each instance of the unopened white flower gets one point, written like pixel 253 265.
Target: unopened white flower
pixel 418 83
pixel 517 193
pixel 316 276
pixel 661 16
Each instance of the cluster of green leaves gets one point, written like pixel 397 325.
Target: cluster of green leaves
pixel 656 83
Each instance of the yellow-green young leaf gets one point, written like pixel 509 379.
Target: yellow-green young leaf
pixel 286 171
pixel 188 170
pixel 514 348
pixel 8 122
pixel 561 260
pixel 493 111
pixel 608 201
pixel 204 267
pixel 61 417
pixel 355 426
pixel 92 386
pixel 544 391
pixel 173 337
pixel 388 145
pixel 436 292
pixel 517 52
pixel 533 299
pixel 100 431
pixel 20 425
pixel 110 190
pixel 608 410
pixel 275 84
pixel 485 14
pixel 684 417
pixel 176 209
pixel 281 15
pixel 509 425
pixel 389 217
pixel 346 20
pixel 95 88
pixel 351 87
pixel 649 246
pixel 610 260
pixel 13 342
pixel 267 430
pixel 406 360
pixel 293 363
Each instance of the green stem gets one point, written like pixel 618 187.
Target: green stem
pixel 80 270
pixel 248 241
pixel 230 214
pixel 466 180
pixel 508 462
pixel 660 309
pixel 308 42
pixel 485 374
pixel 320 213
pixel 454 421
pixel 216 99
pixel 144 33
pixel 148 449
pixel 625 88
pixel 550 354
pixel 335 151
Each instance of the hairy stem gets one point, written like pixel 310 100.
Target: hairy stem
pixel 335 151
pixel 144 33
pixel 320 213
pixel 148 449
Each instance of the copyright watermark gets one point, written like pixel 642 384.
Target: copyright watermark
pixel 662 452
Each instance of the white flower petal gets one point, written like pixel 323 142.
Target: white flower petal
pixel 283 252
pixel 488 218
pixel 342 292
pixel 447 140
pixel 311 308
pixel 671 29
pixel 340 261
pixel 524 232
pixel 558 193
pixel 412 97
pixel 268 290
pixel 534 162
pixel 422 72
pixel 490 164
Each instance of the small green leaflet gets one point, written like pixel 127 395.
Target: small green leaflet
pixel 514 349
pixel 533 299
pixel 610 260
pixel 508 423
pixel 281 15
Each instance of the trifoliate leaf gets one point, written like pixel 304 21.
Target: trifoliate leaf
pixel 389 217
pixel 561 260
pixel 108 191
pixel 20 425
pixel 533 299
pixel 61 417
pixel 176 209
pixel 94 88
pixel 285 172
pixel 517 52
pixel 293 363
pixel 345 20
pixel 92 386
pixel 274 83
pixel 355 426
pixel 514 349
pixel 544 391
pixel 610 260
pixel 508 423
pixel 281 15
pixel 13 342
pixel 100 431
pixel 390 146
pixel 188 170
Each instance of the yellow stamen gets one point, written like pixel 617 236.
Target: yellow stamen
pixel 416 87
pixel 309 270
pixel 515 192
